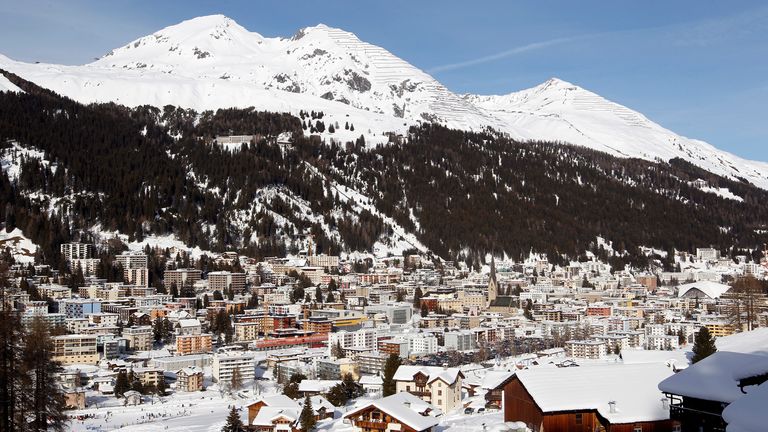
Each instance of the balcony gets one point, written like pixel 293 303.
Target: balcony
pixel 378 425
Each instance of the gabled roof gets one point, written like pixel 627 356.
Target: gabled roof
pixel 716 378
pixel 631 387
pixel 279 401
pixel 449 375
pixel 269 414
pixel 495 379
pixel 406 408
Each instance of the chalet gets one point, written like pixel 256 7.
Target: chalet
pixel 273 413
pixel 400 411
pixel 699 394
pixel 606 398
pixel 437 385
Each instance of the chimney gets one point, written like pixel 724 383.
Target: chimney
pixel 612 406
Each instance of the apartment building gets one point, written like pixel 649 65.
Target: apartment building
pixel 193 344
pixel 132 260
pixel 139 338
pixel 75 349
pixel 224 364
pixel 181 277
pixel 136 276
pixel 72 251
pixel 189 379
pixel 224 280
pixel 589 349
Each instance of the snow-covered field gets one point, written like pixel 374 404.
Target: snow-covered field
pixel 22 248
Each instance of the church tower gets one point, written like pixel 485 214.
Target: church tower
pixel 493 284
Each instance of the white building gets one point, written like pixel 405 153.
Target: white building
pixel 224 364
pixel 132 260
pixel 361 339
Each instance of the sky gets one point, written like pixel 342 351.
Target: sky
pixel 697 67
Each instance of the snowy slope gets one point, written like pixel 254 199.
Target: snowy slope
pixel 560 111
pixel 6 85
pixel 212 62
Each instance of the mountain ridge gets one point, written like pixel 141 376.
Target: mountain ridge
pixel 213 62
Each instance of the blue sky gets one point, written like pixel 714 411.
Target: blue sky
pixel 699 68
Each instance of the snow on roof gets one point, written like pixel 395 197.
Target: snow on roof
pixel 268 414
pixel 319 386
pixel 712 290
pixel 449 375
pixel 319 402
pixel 679 359
pixel 748 413
pixel 751 342
pixel 193 322
pixel 280 401
pixel 716 377
pixel 633 388
pixel 406 408
pixel 493 379
pixel 371 380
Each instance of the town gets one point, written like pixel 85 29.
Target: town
pixel 162 336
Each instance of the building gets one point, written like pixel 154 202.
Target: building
pixel 336 369
pixel 274 413
pixel 72 251
pixel 193 344
pixel 398 412
pixel 372 362
pixel 139 338
pixel 181 277
pixel 361 339
pixel 189 379
pixel 702 290
pixel 136 276
pixel 224 280
pixel 396 313
pixel 459 340
pixel 224 364
pixel 75 349
pixel 609 398
pixel 437 385
pixel 132 260
pixel 88 266
pixel 588 349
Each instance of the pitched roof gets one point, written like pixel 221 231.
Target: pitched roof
pixel 716 378
pixel 449 375
pixel 406 408
pixel 633 388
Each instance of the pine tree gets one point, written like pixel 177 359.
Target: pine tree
pixel 330 298
pixel 162 387
pixel 47 398
pixel 417 294
pixel 234 424
pixel 703 345
pixel 237 381
pixel 121 384
pixel 390 368
pixel 307 417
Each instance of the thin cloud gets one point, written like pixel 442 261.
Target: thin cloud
pixel 503 54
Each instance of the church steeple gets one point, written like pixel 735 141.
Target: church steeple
pixel 493 285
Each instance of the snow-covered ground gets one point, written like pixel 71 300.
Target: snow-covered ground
pixel 22 248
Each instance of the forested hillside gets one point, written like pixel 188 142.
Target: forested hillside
pixel 146 171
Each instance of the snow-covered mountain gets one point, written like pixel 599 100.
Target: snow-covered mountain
pixel 560 111
pixel 213 62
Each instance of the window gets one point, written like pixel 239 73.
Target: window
pixel 407 388
pixel 676 428
pixel 439 402
pixel 638 429
pixel 439 392
pixel 578 418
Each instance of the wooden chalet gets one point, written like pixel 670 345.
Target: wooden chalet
pixel 607 398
